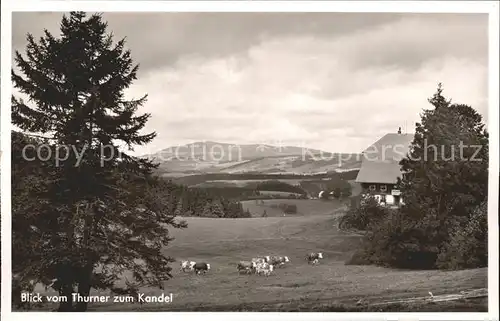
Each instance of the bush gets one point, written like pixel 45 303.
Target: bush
pixel 361 217
pixel 288 208
pixel 392 239
pixel 402 243
pixel 18 287
pixel 336 193
pixel 468 245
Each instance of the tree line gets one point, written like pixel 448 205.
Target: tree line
pixel 336 185
pixel 333 187
pixel 201 178
pixel 278 186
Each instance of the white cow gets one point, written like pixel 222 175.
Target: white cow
pixel 264 259
pixel 187 266
pixel 314 257
pixel 264 268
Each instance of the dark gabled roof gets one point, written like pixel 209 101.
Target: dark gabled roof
pixel 378 172
pixel 380 163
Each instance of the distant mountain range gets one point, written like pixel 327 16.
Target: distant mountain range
pixel 214 157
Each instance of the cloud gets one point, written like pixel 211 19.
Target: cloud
pixel 331 81
pixel 276 94
pixel 163 38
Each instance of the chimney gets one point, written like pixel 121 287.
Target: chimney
pixel 399 130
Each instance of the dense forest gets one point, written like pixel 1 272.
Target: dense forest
pixel 201 178
pixel 184 201
pixel 275 185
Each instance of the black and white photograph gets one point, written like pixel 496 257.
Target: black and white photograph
pixel 250 161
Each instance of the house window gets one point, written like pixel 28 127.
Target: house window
pixel 383 188
pixel 372 188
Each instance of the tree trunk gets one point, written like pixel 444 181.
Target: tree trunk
pixel 84 280
pixel 84 287
pixel 67 291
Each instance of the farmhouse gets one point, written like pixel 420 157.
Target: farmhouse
pixel 380 167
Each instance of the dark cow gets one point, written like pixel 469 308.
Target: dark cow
pixel 278 260
pixel 314 257
pixel 201 267
pixel 247 267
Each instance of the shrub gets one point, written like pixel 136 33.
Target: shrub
pixel 288 208
pixel 362 216
pixel 401 242
pixel 394 240
pixel 18 287
pixel 468 245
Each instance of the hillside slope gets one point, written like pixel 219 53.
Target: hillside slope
pixel 213 157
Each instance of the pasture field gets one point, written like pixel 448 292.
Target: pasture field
pixel 244 182
pixel 305 207
pixel 279 193
pixel 331 285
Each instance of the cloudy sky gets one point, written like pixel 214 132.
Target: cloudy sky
pixel 333 81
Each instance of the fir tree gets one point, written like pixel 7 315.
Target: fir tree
pixel 83 222
pixel 445 176
pixel 217 208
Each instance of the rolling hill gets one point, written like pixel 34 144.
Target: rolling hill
pixel 214 157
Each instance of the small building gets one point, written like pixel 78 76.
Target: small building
pixel 380 167
pixel 327 195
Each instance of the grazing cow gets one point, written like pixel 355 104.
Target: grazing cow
pixel 314 257
pixel 264 259
pixel 264 268
pixel 187 266
pixel 201 267
pixel 278 260
pixel 246 266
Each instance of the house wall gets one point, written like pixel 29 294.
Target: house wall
pixel 382 196
pixel 367 190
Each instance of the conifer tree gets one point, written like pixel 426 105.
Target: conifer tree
pixel 84 221
pixel 445 176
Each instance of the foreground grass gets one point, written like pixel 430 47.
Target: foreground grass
pixel 465 305
pixel 329 286
pixel 333 292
